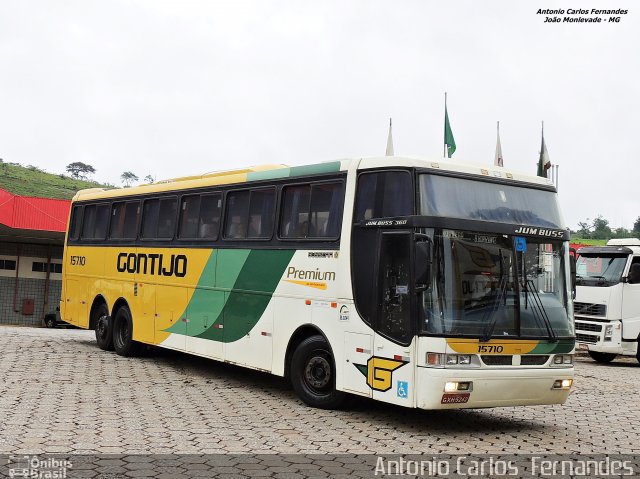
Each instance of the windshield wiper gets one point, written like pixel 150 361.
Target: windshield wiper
pixel 538 309
pixel 491 313
pixel 502 293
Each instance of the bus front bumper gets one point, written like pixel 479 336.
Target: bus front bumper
pixel 490 387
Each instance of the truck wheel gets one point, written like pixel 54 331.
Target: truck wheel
pixel 50 321
pixel 123 341
pixel 103 327
pixel 602 357
pixel 638 351
pixel 313 374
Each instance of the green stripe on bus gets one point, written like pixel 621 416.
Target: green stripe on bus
pixel 560 347
pixel 207 302
pixel 268 174
pixel 317 169
pixel 250 296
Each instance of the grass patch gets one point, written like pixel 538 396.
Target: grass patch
pixel 589 242
pixel 32 181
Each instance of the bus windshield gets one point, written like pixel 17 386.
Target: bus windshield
pixel 600 269
pixel 487 285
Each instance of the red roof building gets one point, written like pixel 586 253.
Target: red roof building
pixel 30 213
pixel 31 245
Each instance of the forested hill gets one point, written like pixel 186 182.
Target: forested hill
pixel 31 181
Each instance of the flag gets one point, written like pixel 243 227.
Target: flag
pixel 498 159
pixel 389 151
pixel 543 163
pixel 449 142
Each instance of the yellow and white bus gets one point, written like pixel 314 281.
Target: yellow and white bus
pixel 427 284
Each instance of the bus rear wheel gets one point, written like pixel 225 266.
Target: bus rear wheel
pixel 123 341
pixel 103 326
pixel 313 374
pixel 602 357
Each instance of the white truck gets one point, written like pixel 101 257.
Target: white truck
pixel 607 303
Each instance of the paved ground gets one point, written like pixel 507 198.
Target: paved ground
pixel 60 394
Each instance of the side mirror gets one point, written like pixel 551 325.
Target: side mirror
pixel 572 269
pixel 422 262
pixel 634 273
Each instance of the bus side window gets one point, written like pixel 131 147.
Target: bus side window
pixel 237 215
pixel 95 221
pixel 326 209
pixel 167 218
pixel 74 227
pixel 159 218
pixel 124 220
pixel 295 211
pixel 312 211
pixel 250 214
pixel 209 223
pixel 261 210
pixel 382 195
pixel 189 214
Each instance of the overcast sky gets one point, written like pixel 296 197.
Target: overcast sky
pixel 171 88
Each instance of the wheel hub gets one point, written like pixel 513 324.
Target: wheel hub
pixel 102 326
pixel 318 372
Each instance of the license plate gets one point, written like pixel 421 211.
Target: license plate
pixel 455 398
pixel 583 346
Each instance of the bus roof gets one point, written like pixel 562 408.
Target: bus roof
pixel 267 172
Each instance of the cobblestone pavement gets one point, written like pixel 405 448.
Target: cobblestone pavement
pixel 59 393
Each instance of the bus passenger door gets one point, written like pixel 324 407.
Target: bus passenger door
pixel 391 370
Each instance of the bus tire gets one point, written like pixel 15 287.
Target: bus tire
pixel 313 374
pixel 50 321
pixel 602 357
pixel 123 341
pixel 103 327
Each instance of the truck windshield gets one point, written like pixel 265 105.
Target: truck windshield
pixel 600 269
pixel 487 285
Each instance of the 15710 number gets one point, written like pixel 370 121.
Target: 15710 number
pixel 78 260
pixel 490 349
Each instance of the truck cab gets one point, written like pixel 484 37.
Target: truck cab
pixel 607 303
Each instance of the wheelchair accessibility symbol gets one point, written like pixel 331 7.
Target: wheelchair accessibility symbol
pixel 403 389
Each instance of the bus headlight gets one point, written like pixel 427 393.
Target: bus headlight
pixel 561 360
pixel 562 384
pixel 608 332
pixel 454 387
pixel 440 360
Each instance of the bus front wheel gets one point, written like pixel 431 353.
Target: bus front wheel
pixel 313 374
pixel 602 357
pixel 123 341
pixel 103 327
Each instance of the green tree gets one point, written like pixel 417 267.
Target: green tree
pixel 621 233
pixel 601 228
pixel 584 229
pixel 78 170
pixel 149 179
pixel 636 228
pixel 128 177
